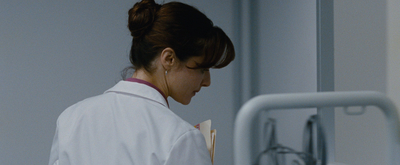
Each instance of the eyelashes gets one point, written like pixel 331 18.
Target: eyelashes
pixel 203 70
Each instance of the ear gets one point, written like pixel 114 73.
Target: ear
pixel 168 58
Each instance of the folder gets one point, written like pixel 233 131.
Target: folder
pixel 209 136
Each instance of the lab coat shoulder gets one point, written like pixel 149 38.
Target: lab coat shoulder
pixel 128 124
pixel 186 144
pixel 80 108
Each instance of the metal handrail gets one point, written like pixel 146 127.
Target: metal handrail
pixel 243 132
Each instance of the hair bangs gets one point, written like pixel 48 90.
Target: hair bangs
pixel 218 50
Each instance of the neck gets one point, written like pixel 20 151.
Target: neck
pixel 157 78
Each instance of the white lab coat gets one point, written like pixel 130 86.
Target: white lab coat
pixel 130 124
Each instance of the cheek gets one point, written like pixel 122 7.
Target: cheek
pixel 191 78
pixel 187 81
pixel 185 85
pixel 196 76
pixel 183 94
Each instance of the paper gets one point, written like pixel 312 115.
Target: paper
pixel 209 136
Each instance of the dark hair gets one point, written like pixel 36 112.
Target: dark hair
pixel 179 26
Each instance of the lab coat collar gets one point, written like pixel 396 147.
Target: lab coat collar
pixel 139 89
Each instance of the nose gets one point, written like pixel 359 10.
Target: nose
pixel 206 80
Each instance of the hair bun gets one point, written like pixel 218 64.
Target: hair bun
pixel 141 17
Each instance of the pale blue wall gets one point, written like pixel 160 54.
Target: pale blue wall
pixel 55 53
pixel 287 61
pixel 360 64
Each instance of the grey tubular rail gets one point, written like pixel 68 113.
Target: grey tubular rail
pixel 247 115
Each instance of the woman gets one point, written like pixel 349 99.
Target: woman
pixel 173 47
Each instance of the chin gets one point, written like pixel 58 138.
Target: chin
pixel 184 102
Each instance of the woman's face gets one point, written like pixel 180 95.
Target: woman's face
pixel 185 82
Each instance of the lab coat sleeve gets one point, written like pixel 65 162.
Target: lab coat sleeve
pixel 189 149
